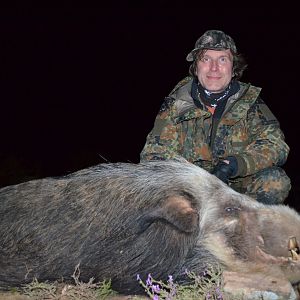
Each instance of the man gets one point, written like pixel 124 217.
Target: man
pixel 221 124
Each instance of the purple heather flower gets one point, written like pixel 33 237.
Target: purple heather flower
pixel 138 277
pixel 155 288
pixel 219 294
pixel 207 297
pixel 149 280
pixel 170 280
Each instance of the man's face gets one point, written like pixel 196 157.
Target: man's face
pixel 214 70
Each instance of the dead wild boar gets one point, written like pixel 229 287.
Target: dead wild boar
pixel 118 220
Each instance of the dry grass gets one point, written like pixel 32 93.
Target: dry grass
pixel 61 291
pixel 202 287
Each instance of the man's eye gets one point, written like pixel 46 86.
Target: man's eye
pixel 223 60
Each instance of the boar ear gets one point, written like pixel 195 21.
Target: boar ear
pixel 176 210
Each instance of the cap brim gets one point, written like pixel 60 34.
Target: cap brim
pixel 191 55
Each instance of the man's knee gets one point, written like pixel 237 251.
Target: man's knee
pixel 269 186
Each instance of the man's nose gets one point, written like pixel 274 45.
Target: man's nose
pixel 214 65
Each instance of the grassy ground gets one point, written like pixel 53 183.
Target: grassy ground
pixel 206 286
pixel 59 291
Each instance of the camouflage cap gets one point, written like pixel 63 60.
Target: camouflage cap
pixel 212 39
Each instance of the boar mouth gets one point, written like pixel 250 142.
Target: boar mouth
pixel 293 248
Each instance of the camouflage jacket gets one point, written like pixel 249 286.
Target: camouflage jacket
pixel 247 130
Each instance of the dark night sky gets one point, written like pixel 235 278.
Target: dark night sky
pixel 79 83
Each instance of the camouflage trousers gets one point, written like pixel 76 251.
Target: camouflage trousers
pixel 269 186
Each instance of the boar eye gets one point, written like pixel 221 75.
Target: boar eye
pixel 231 209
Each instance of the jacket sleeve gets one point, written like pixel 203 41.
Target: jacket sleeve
pixel 162 142
pixel 267 146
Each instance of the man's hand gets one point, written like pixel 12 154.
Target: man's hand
pixel 226 169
